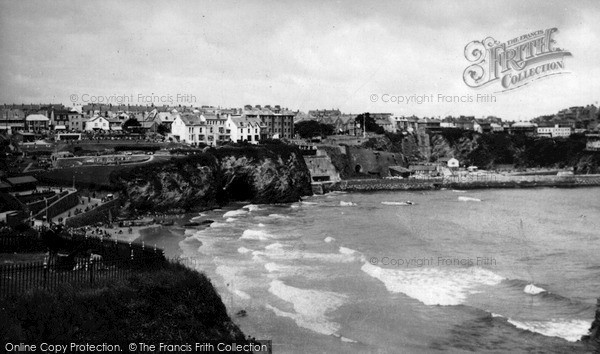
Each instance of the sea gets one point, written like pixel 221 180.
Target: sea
pixel 510 270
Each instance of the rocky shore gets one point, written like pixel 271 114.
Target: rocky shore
pixel 364 185
pixel 594 337
pixel 265 174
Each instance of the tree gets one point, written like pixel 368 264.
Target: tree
pixel 162 129
pixel 369 122
pixel 131 122
pixel 311 128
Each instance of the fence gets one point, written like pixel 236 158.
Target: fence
pixel 20 243
pixel 119 261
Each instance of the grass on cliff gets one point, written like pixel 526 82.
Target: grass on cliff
pixel 171 303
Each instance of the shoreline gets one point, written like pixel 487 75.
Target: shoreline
pixel 365 185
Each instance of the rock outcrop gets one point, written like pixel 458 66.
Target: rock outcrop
pixel 266 174
pixel 594 337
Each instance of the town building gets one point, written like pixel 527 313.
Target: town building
pixel 496 128
pixel 554 130
pixel 36 123
pixel 190 129
pixel 97 123
pixel 217 131
pixel 244 129
pixel 12 120
pixel 408 124
pixel 77 122
pixel 386 125
pixel 481 126
pixel 278 122
pixel 525 128
pixel 429 125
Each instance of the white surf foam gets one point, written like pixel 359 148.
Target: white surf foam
pixel 278 216
pixel 199 217
pixel 275 246
pixel 468 199
pixel 395 203
pixel 255 235
pixel 244 250
pixel 208 243
pixel 231 219
pixel 329 239
pixel 252 207
pixel 217 224
pixel 433 286
pixel 571 330
pixel 458 191
pixel 235 281
pixel 533 290
pixel 345 250
pixel 278 252
pixel 261 225
pixel 242 294
pixel 235 213
pixel 310 306
pixel 343 203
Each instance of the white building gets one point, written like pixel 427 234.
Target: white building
pixel 97 123
pixel 37 122
pixel 556 131
pixel 244 129
pixel 189 128
pixel 453 163
pixel 496 127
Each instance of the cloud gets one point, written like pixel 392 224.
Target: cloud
pixel 303 55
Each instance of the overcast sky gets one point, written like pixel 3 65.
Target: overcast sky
pixel 298 54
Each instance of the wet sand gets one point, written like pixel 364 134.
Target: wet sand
pixel 165 237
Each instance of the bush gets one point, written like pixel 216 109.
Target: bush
pixel 171 303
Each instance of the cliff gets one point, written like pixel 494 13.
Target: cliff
pixel 160 303
pixel 594 337
pixel 265 174
pixel 489 150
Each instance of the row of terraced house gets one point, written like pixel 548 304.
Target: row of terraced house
pixel 193 125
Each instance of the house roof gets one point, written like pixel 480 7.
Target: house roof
pixel 37 118
pixel 524 124
pixel 21 180
pixel 241 122
pixel 147 124
pixel 192 120
pixel 422 168
pixel 399 169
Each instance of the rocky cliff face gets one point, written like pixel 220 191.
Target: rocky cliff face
pixel 272 174
pixel 594 337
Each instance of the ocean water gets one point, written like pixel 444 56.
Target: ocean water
pixel 458 271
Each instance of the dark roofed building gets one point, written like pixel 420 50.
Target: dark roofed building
pixel 23 183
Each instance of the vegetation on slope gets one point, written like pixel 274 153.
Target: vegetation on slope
pixel 172 303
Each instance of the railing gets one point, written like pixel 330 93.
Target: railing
pixel 16 279
pixel 18 243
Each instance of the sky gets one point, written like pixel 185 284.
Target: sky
pixel 303 55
